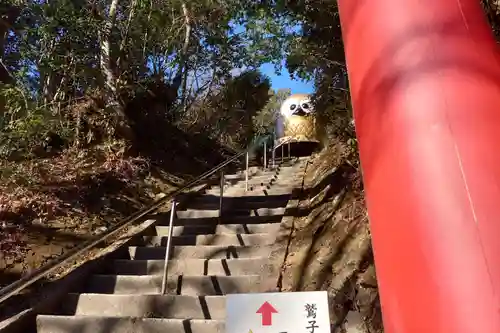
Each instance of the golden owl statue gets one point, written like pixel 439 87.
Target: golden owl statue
pixel 297 122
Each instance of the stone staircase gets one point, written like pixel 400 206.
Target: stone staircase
pixel 210 257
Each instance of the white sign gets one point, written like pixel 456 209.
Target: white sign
pixel 295 312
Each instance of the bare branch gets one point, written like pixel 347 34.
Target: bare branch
pixel 124 41
pixel 184 55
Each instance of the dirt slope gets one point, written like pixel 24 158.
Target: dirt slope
pixel 330 247
pixel 50 205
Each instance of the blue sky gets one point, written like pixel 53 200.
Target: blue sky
pixel 284 80
pixel 278 81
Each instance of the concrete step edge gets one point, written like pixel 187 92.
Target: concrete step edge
pixel 214 239
pixel 230 267
pixel 163 221
pixel 151 306
pixel 98 324
pixel 190 230
pixel 199 251
pixel 219 235
pixel 176 285
pixel 159 277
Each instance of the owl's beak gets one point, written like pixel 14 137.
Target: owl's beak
pixel 299 112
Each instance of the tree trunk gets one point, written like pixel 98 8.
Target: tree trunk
pixel 120 63
pixel 184 55
pixel 7 19
pixel 146 33
pixel 122 124
pixel 50 80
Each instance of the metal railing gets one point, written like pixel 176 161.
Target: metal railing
pixel 247 152
pixel 282 145
pixel 16 287
pixel 221 196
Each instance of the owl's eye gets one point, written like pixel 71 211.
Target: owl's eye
pixel 305 106
pixel 293 107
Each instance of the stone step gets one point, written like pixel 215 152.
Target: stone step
pixel 163 219
pixel 212 201
pixel 98 324
pixel 259 176
pixel 149 306
pixel 218 229
pixel 275 185
pixel 273 181
pixel 228 267
pixel 267 176
pixel 214 239
pixel 240 186
pixel 198 252
pixel 283 171
pixel 176 285
pixel 196 213
pixel 256 191
pixel 287 163
pixel 259 169
pixel 125 297
pixel 262 176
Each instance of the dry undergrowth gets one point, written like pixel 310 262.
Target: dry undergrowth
pixel 330 248
pixel 48 206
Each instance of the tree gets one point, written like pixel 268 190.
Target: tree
pixel 227 113
pixel 265 120
pixel 170 55
pixel 316 52
pixel 492 11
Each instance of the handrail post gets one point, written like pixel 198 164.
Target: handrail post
pixel 265 155
pixel 246 171
pixel 169 245
pixel 288 149
pixel 282 152
pixel 221 192
pixel 274 156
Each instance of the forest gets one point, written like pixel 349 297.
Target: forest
pixel 105 104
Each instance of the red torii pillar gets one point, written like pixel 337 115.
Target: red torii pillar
pixel 425 83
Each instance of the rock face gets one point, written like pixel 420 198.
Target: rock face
pixel 330 247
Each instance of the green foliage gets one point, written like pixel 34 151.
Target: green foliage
pixel 265 120
pixel 317 53
pixel 267 36
pixel 23 125
pixel 15 102
pixel 492 9
pixel 236 105
pixel 52 51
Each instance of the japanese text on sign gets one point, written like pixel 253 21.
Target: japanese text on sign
pixel 292 312
pixel 311 316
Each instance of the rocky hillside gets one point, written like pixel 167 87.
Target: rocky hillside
pixel 330 247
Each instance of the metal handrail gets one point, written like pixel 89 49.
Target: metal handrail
pixel 273 157
pixel 16 287
pixel 221 196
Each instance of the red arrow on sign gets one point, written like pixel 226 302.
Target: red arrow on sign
pixel 267 311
